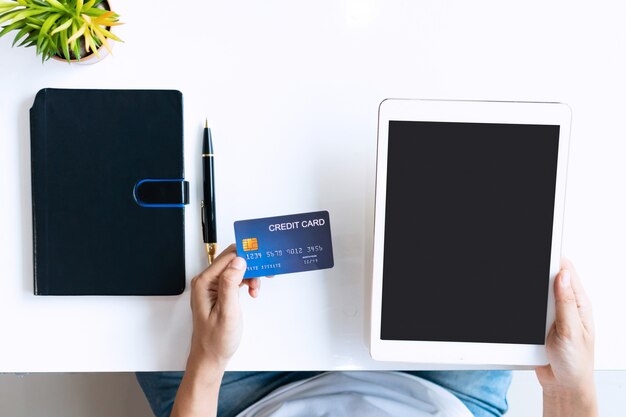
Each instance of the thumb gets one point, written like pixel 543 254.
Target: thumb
pixel 229 280
pixel 567 321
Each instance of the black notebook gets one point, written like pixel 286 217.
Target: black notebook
pixel 108 192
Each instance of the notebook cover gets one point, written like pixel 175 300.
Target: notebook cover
pixel 89 148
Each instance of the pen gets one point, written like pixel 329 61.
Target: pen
pixel 209 230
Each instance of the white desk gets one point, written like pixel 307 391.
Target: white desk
pixel 292 91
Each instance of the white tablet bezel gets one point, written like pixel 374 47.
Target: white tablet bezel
pixel 496 354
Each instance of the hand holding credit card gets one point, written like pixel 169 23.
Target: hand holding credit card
pixel 285 244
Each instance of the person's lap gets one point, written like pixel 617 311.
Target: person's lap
pixel 160 390
pixel 483 392
pixel 238 391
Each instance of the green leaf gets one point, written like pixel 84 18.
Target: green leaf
pixel 21 34
pixel 76 49
pixel 79 5
pixel 57 5
pixel 74 29
pixel 23 43
pixel 41 38
pixel 12 26
pixel 109 35
pixel 9 15
pixel 95 12
pixel 6 8
pixel 23 14
pixel 78 33
pixel 101 39
pixel 52 44
pixel 63 26
pixel 45 28
pixel 91 45
pixel 89 5
pixel 64 46
pixel 42 46
pixel 31 36
pixel 38 20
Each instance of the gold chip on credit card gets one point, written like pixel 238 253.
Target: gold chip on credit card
pixel 250 244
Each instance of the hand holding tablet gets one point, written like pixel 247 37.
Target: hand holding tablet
pixel 570 341
pixel 469 205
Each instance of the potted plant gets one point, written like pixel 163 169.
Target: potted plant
pixel 71 30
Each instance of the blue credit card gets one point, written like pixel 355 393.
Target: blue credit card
pixel 285 244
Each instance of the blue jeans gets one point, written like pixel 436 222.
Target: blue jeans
pixel 483 392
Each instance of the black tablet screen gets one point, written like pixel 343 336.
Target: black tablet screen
pixel 468 231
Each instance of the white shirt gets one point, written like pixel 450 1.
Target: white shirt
pixel 363 394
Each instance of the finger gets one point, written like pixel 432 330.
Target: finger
pixel 219 263
pixel 567 322
pixel 201 283
pixel 229 280
pixel 250 282
pixel 230 248
pixel 192 300
pixel 226 253
pixel 200 296
pixel 254 286
pixel 208 279
pixel 582 300
pixel 544 373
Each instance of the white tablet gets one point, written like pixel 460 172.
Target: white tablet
pixel 469 212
